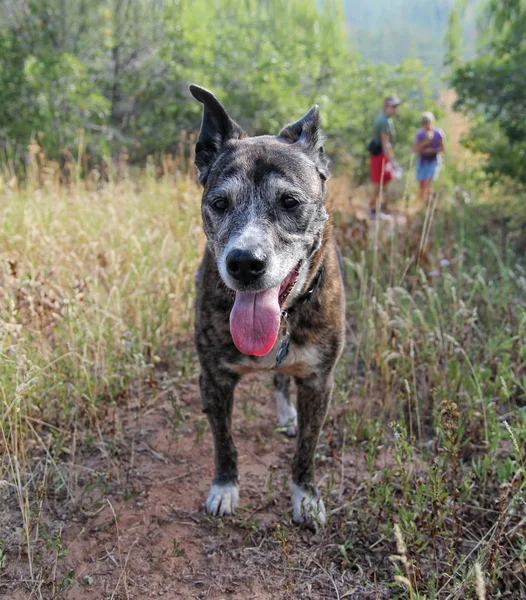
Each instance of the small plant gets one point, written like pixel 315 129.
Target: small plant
pixel 200 429
pixel 271 485
pixel 280 535
pixel 176 418
pixel 405 573
pixel 68 580
pixel 3 556
pixel 177 549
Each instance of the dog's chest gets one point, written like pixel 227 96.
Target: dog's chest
pixel 301 361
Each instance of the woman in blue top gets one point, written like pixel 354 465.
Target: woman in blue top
pixel 429 143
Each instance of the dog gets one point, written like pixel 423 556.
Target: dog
pixel 270 291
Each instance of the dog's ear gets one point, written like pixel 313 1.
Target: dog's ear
pixel 216 129
pixel 308 134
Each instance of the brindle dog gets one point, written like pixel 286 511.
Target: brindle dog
pixel 270 293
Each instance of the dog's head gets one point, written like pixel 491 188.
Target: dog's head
pixel 263 214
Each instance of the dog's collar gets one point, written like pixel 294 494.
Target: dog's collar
pixel 307 295
pixel 284 336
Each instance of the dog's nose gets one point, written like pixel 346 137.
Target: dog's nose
pixel 245 266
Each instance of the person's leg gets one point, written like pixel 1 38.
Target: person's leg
pixel 383 200
pixel 427 184
pixel 374 197
pixel 433 174
pixel 420 177
pixel 387 176
pixel 429 188
pixel 422 191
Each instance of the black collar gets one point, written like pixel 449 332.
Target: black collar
pixel 307 295
pixel 284 338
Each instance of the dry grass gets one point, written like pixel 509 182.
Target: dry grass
pixel 95 286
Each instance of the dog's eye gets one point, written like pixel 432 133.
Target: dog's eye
pixel 220 205
pixel 289 202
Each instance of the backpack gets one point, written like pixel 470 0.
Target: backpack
pixel 375 147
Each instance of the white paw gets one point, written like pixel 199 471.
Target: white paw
pixel 307 508
pixel 222 499
pixel 287 417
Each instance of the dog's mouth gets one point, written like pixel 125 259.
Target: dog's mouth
pixel 288 284
pixel 256 316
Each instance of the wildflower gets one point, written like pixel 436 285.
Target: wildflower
pixel 126 339
pixel 397 431
pixel 435 273
pixel 444 262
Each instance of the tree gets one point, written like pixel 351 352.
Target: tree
pixel 491 87
pixel 46 87
pixel 120 69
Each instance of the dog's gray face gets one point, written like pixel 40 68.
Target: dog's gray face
pixel 263 202
pixel 263 211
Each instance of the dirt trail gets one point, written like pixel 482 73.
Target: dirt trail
pixel 173 549
pixel 457 128
pixel 162 544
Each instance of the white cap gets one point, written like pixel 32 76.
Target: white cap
pixel 427 116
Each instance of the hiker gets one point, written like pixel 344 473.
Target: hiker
pixel 429 143
pixel 383 164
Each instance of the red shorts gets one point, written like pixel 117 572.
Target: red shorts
pixel 381 166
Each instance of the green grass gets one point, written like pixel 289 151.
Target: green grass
pixel 96 289
pixel 439 350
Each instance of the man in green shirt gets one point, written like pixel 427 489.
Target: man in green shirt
pixel 383 163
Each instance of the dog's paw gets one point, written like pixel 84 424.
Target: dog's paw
pixel 290 425
pixel 287 416
pixel 307 507
pixel 222 499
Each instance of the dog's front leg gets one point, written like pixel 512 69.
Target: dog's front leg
pixel 287 417
pixel 314 395
pixel 217 394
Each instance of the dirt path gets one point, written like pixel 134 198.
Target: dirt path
pixel 171 548
pixel 139 529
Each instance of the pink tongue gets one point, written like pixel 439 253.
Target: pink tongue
pixel 254 321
